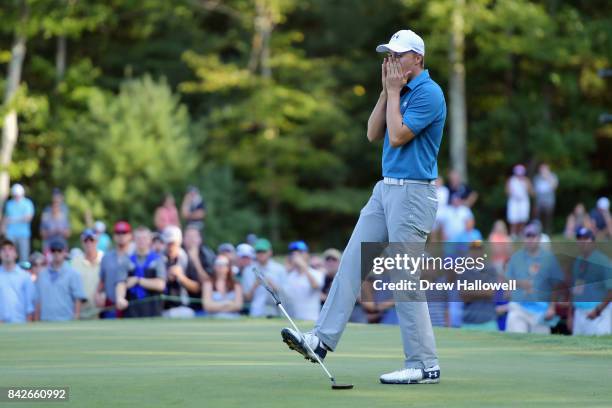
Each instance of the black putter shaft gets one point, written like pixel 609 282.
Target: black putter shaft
pixel 282 309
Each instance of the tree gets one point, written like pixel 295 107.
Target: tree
pixel 127 151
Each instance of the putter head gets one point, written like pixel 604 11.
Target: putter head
pixel 336 386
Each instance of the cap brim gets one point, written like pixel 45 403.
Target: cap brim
pixel 391 48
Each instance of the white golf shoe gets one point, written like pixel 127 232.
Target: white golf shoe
pixel 412 376
pixel 297 341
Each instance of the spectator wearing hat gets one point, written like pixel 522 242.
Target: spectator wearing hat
pixel 115 264
pixel 193 208
pixel 87 264
pixel 104 240
pixel 262 304
pixel 166 214
pixel 591 288
pixel 138 292
pixel 303 283
pixel 602 219
pixel 544 186
pixel 18 214
pixel 537 274
pixel 182 281
pixel 59 287
pixel 228 249
pixel 17 292
pixel 201 256
pixel 245 256
pixel 518 189
pixel 54 222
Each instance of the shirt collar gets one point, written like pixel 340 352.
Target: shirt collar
pixel 416 81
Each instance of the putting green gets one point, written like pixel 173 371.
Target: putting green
pixel 209 363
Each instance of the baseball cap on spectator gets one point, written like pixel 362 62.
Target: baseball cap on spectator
pixel 17 190
pixel 226 247
pixel 88 233
pixel 172 234
pixel 56 191
pixel 532 229
pixel 332 253
pixel 603 203
pixel 157 237
pixel 251 239
pixel 298 246
pixel 122 227
pixel 58 244
pixel 99 227
pixel 403 41
pixel 262 245
pixel 245 251
pixel 584 233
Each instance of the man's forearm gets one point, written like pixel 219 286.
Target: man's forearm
pixel 398 133
pixel 376 122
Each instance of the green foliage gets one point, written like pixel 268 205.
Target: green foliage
pixel 279 140
pixel 127 150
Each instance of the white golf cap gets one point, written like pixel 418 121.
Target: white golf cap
pixel 603 203
pixel 245 250
pixel 17 190
pixel 403 41
pixel 172 234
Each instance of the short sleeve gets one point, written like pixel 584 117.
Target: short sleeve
pixel 30 295
pixel 422 110
pixel 76 287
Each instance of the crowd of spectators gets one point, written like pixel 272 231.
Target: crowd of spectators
pixel 171 271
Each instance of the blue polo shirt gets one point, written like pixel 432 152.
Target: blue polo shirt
pixel 544 272
pixel 17 295
pixel 423 110
pixel 591 280
pixel 57 292
pixel 18 209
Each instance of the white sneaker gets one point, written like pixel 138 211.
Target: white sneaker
pixel 412 376
pixel 297 341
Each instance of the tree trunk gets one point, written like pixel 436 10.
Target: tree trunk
pixel 9 127
pixel 60 58
pixel 458 110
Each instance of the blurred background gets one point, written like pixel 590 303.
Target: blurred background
pixel 262 106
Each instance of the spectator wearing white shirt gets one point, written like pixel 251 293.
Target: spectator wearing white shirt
pixel 303 284
pixel 454 219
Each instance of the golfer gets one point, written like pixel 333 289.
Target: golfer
pixel 409 116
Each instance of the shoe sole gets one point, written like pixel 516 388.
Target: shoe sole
pixel 427 381
pixel 296 345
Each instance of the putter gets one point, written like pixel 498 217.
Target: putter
pixel 335 385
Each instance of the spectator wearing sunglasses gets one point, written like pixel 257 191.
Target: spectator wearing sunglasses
pixel 537 273
pixel 87 264
pixel 59 287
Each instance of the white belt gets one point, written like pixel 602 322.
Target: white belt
pixel 401 182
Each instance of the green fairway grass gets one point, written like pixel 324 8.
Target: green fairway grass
pixel 207 363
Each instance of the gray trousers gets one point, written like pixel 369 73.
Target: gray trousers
pixel 393 214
